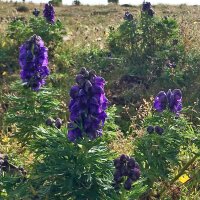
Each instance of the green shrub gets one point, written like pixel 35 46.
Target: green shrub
pixel 146 43
pixel 22 8
pixel 51 34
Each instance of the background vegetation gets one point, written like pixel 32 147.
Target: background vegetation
pixel 133 57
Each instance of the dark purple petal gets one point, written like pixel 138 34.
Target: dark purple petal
pixel 150 129
pixel 159 130
pixel 74 134
pixel 88 104
pixel 49 13
pixel 160 102
pixel 128 183
pixel 74 92
pixel 34 64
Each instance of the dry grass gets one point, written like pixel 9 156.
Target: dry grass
pixel 89 25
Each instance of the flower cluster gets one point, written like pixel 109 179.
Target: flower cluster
pixel 87 106
pixel 36 12
pixel 127 167
pixel 172 99
pixel 33 59
pixel 146 7
pixel 157 129
pixel 57 122
pixel 128 16
pixel 49 13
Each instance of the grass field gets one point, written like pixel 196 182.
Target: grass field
pixel 89 36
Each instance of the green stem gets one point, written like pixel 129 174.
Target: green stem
pixel 180 173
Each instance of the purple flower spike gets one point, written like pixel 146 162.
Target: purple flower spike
pixel 36 12
pixel 128 16
pixel 49 13
pixel 146 7
pixel 87 106
pixel 160 102
pixel 33 59
pixel 176 101
pixel 127 167
pixel 173 99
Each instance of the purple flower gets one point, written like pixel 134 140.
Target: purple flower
pixel 58 123
pixel 87 106
pixel 50 121
pixel 128 16
pixel 173 99
pixel 159 130
pixel 146 7
pixel 128 184
pixel 33 59
pixel 150 129
pixel 126 166
pixel 160 102
pixel 49 13
pixel 36 12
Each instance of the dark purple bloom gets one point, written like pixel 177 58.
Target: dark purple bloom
pixel 49 13
pixel 50 121
pixel 159 130
pixel 74 133
pixel 128 16
pixel 118 176
pixel 36 12
pixel 126 167
pixel 137 172
pixel 33 59
pixel 58 123
pixel 88 104
pixel 160 102
pixel 123 158
pixel 146 7
pixel 128 183
pixel 131 163
pixel 173 99
pixel 150 129
pixel 117 163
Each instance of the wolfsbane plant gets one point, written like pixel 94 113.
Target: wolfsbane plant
pixel 52 34
pixel 146 43
pixel 28 109
pixel 67 170
pixel 158 155
pixel 49 13
pixel 87 106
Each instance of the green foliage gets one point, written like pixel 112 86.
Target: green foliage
pixel 7 61
pixel 56 2
pixel 158 154
pixel 67 170
pixel 22 8
pixel 146 43
pixel 28 109
pixel 19 31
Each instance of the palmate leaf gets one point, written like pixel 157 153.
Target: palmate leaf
pixel 28 109
pixel 78 171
